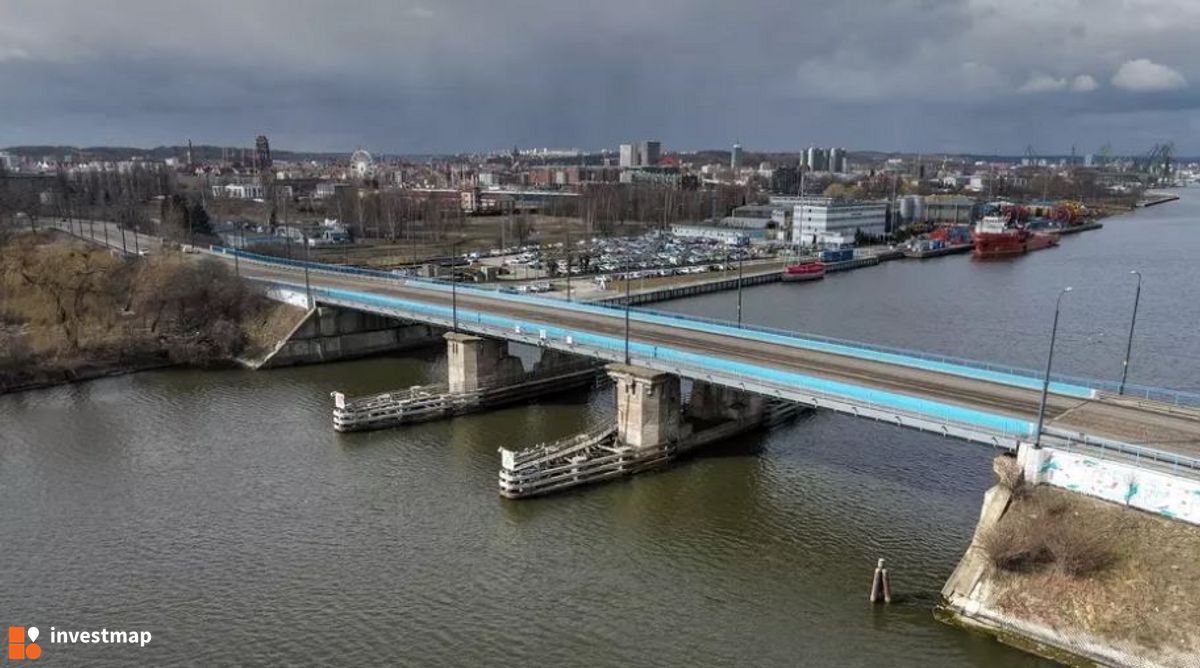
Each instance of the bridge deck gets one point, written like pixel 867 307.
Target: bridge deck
pixel 1139 423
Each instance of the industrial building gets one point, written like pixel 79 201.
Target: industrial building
pixel 757 233
pixel 827 221
pixel 778 217
pixel 953 209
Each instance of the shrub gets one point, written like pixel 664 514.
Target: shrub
pixel 1079 550
pixel 1010 476
pixel 1039 532
pixel 1017 546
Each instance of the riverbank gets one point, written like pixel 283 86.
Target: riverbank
pixel 71 312
pixel 43 375
pixel 1078 580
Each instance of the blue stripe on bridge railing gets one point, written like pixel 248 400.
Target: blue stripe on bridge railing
pixel 867 397
pixel 1013 376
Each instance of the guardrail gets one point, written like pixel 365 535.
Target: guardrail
pixel 1060 383
pixel 997 430
pixel 689 364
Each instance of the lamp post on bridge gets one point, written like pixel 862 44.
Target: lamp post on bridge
pixel 628 301
pixel 307 284
pixel 454 285
pixel 1037 438
pixel 567 246
pixel 1137 295
pixel 741 258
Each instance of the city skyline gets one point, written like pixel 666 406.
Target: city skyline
pixel 949 77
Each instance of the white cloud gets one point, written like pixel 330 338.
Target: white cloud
pixel 1142 75
pixel 12 53
pixel 1084 83
pixel 1042 83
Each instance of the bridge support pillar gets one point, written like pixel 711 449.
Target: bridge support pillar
pixel 1030 460
pixel 475 362
pixel 711 402
pixel 647 406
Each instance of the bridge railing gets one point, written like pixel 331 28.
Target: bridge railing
pixel 994 429
pixel 1067 384
pixel 1138 455
pixel 692 365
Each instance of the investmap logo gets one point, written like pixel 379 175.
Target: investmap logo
pixel 18 648
pixel 23 640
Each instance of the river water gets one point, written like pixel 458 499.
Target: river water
pixel 219 511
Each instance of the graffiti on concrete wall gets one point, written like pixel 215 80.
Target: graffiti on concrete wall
pixel 1168 495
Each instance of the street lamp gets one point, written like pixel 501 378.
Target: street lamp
pixel 454 284
pixel 307 285
pixel 740 259
pixel 628 301
pixel 568 249
pixel 1133 321
pixel 1037 439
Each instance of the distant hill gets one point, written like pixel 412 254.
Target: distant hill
pixel 200 152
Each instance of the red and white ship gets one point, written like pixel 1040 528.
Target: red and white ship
pixel 1001 236
pixel 808 270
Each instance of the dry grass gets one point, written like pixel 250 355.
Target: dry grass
pixel 268 327
pixel 67 306
pixel 1093 567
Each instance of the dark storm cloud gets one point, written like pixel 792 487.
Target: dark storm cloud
pixel 981 75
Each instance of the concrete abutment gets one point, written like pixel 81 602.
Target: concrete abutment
pixel 330 334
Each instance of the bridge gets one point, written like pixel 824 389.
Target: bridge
pixel 958 398
pixel 1140 448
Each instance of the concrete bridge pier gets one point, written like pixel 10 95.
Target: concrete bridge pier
pixel 474 362
pixel 648 406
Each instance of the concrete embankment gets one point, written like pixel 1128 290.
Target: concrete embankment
pixel 1154 199
pixel 327 334
pixel 1077 580
pixel 756 276
pixel 695 288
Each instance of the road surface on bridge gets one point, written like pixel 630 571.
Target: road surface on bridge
pixel 1151 424
pixel 1145 423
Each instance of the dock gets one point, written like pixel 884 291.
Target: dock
pixel 1154 199
pixel 1075 229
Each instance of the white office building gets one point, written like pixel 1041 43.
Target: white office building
pixel 630 155
pixel 826 221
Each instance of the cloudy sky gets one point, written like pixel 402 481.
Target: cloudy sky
pixel 456 75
